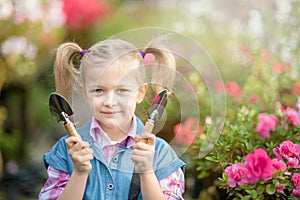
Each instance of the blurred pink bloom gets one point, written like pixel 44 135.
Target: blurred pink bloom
pixel 265 54
pixel 259 166
pixel 278 164
pixel 280 189
pixel 236 174
pixel 287 149
pixel 208 120
pixel 291 116
pixel 266 123
pixel 253 99
pixel 296 192
pixel 233 89
pixel 296 180
pixel 296 89
pixel 184 132
pixel 81 14
pixel 293 163
pixel 219 86
pixel 277 67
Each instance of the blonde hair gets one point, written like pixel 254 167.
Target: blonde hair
pixel 165 71
pixel 69 63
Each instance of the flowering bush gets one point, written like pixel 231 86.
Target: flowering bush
pixel 257 157
pixel 278 174
pixel 257 154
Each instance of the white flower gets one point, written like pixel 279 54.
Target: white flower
pixel 6 9
pixel 18 45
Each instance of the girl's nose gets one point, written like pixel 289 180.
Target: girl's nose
pixel 109 100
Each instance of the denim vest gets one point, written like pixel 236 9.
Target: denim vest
pixel 112 180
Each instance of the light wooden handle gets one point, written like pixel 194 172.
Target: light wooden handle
pixel 143 139
pixel 71 130
pixel 147 129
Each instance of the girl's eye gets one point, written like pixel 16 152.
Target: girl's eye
pixel 122 90
pixel 98 90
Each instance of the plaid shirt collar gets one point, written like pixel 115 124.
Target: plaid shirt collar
pixel 102 138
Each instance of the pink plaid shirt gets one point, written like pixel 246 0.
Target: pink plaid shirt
pixel 172 186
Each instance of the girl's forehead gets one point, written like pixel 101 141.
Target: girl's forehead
pixel 117 71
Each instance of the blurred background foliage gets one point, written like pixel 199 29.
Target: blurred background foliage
pixel 255 45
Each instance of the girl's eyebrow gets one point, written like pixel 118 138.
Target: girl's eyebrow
pixel 124 85
pixel 118 86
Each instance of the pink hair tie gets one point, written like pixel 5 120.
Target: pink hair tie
pixel 83 52
pixel 149 58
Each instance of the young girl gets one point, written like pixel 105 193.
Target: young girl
pixel 102 166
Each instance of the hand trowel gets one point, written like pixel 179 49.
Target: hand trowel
pixel 155 112
pixel 61 109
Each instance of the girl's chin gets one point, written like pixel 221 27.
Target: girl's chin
pixel 113 123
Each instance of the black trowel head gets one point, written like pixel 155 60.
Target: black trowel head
pixel 59 105
pixel 158 105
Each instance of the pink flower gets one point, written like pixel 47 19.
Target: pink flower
pixel 296 180
pixel 219 86
pixel 296 89
pixel 277 67
pixel 296 192
pixel 184 133
pixel 236 174
pixel 253 99
pixel 291 116
pixel 278 164
pixel 265 54
pixel 233 89
pixel 259 166
pixel 81 14
pixel 208 120
pixel 280 189
pixel 293 163
pixel 286 150
pixel 266 124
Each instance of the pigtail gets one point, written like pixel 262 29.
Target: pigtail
pixel 66 67
pixel 164 71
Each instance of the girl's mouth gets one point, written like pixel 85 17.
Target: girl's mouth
pixel 110 112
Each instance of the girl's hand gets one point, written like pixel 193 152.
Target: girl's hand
pixel 81 154
pixel 143 153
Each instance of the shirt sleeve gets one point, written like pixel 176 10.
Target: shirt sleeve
pixel 173 185
pixel 55 184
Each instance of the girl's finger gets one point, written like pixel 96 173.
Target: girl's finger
pixel 151 139
pixel 86 158
pixel 85 151
pixel 136 158
pixel 70 141
pixel 138 152
pixel 146 138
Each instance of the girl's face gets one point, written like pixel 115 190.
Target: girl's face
pixel 112 94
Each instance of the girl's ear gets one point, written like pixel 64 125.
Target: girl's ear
pixel 142 92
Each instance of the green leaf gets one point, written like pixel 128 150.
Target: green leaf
pixel 210 158
pixel 270 189
pixel 260 189
pixel 253 194
pixel 203 174
pixel 247 197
